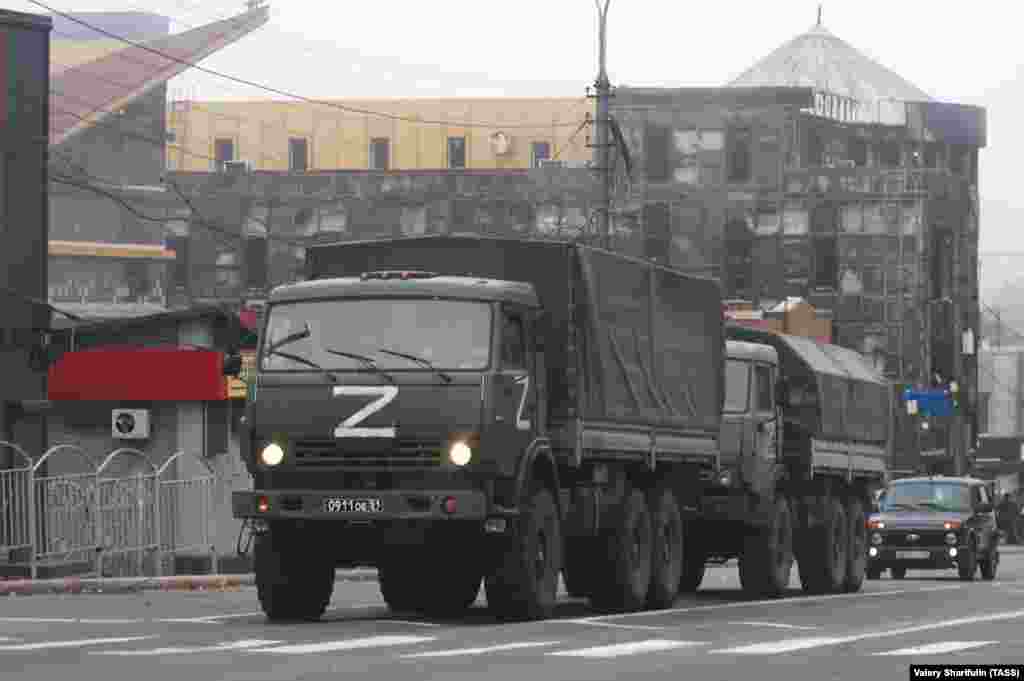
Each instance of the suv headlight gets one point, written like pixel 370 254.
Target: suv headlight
pixel 460 453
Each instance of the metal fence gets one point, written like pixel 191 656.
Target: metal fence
pixel 120 516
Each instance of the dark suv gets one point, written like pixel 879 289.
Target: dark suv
pixel 934 523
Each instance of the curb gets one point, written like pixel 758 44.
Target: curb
pixel 121 585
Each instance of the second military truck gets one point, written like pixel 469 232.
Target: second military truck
pixel 464 410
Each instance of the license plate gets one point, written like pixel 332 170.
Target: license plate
pixel 913 555
pixel 351 505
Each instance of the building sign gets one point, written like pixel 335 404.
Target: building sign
pixel 849 110
pixel 238 386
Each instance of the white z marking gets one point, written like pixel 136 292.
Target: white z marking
pixel 347 428
pixel 521 423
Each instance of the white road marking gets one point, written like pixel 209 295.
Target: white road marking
pixel 775 601
pixel 488 649
pixel 631 648
pixel 81 643
pixel 939 648
pixel 791 645
pixel 235 645
pixel 4 638
pixel 613 625
pixel 409 622
pixel 351 644
pixel 775 625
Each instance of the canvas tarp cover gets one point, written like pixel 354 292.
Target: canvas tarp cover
pixel 649 354
pixel 853 400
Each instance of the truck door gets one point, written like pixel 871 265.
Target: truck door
pixel 515 392
pixel 760 465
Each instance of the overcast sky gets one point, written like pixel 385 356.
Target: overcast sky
pixel 963 52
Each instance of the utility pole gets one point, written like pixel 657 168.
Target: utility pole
pixel 602 157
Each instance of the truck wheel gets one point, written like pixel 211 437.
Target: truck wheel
pixel 967 562
pixel 873 573
pixel 626 576
pixel 898 572
pixel 766 562
pixel 524 584
pixel 666 548
pixel 825 551
pixel 695 560
pixel 989 565
pixel 857 557
pixel 578 566
pixel 398 586
pixel 292 582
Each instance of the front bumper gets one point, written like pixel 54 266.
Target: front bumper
pixel 385 505
pixel 922 557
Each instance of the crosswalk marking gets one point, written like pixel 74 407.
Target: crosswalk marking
pixel 632 648
pixel 487 649
pixel 939 648
pixel 351 644
pixel 81 643
pixel 223 647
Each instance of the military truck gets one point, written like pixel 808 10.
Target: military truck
pixel 806 440
pixel 457 410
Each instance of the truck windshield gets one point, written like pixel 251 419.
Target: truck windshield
pixel 928 496
pixel 737 386
pixel 449 334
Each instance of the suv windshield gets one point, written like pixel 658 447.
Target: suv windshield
pixel 447 334
pixel 927 496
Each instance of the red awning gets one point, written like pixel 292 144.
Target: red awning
pixel 145 374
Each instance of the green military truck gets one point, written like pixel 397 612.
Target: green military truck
pixel 464 410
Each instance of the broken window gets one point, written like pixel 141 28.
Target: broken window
pixel 380 153
pixel 874 219
pixel 767 221
pixel 739 155
pixel 456 152
pixel 656 150
pixel 796 258
pixel 814 148
pixel 823 219
pixel 851 218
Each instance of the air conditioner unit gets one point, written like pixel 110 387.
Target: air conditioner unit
pixel 129 424
pixel 237 166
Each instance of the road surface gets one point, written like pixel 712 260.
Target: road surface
pixel 712 636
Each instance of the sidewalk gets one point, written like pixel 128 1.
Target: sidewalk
pixel 75 585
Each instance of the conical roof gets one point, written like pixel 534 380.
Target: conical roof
pixel 818 59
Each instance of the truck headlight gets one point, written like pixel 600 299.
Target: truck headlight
pixel 951 539
pixel 876 539
pixel 725 478
pixel 460 453
pixel 272 455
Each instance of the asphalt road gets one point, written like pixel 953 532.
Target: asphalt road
pixel 712 636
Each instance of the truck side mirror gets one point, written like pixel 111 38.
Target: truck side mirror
pixel 781 393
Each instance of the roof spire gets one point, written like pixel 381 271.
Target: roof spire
pixel 819 16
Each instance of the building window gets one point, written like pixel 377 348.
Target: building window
pixel 826 262
pixel 739 264
pixel 540 151
pixel 857 151
pixel 890 154
pixel 456 152
pixel 380 153
pixel 223 151
pixel 298 154
pixel 738 155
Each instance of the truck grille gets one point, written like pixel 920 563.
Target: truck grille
pixel 927 538
pixel 405 454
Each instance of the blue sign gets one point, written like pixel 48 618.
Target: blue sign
pixel 931 401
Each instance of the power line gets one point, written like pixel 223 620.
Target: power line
pixel 285 93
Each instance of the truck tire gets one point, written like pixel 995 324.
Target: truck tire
pixel 578 566
pixel 857 556
pixel 766 562
pixel 824 552
pixel 524 583
pixel 666 548
pixel 694 561
pixel 990 564
pixel 293 583
pixel 626 574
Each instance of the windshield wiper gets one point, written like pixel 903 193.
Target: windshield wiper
pixel 364 359
pixel 423 362
pixel 909 507
pixel 290 338
pixel 303 360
